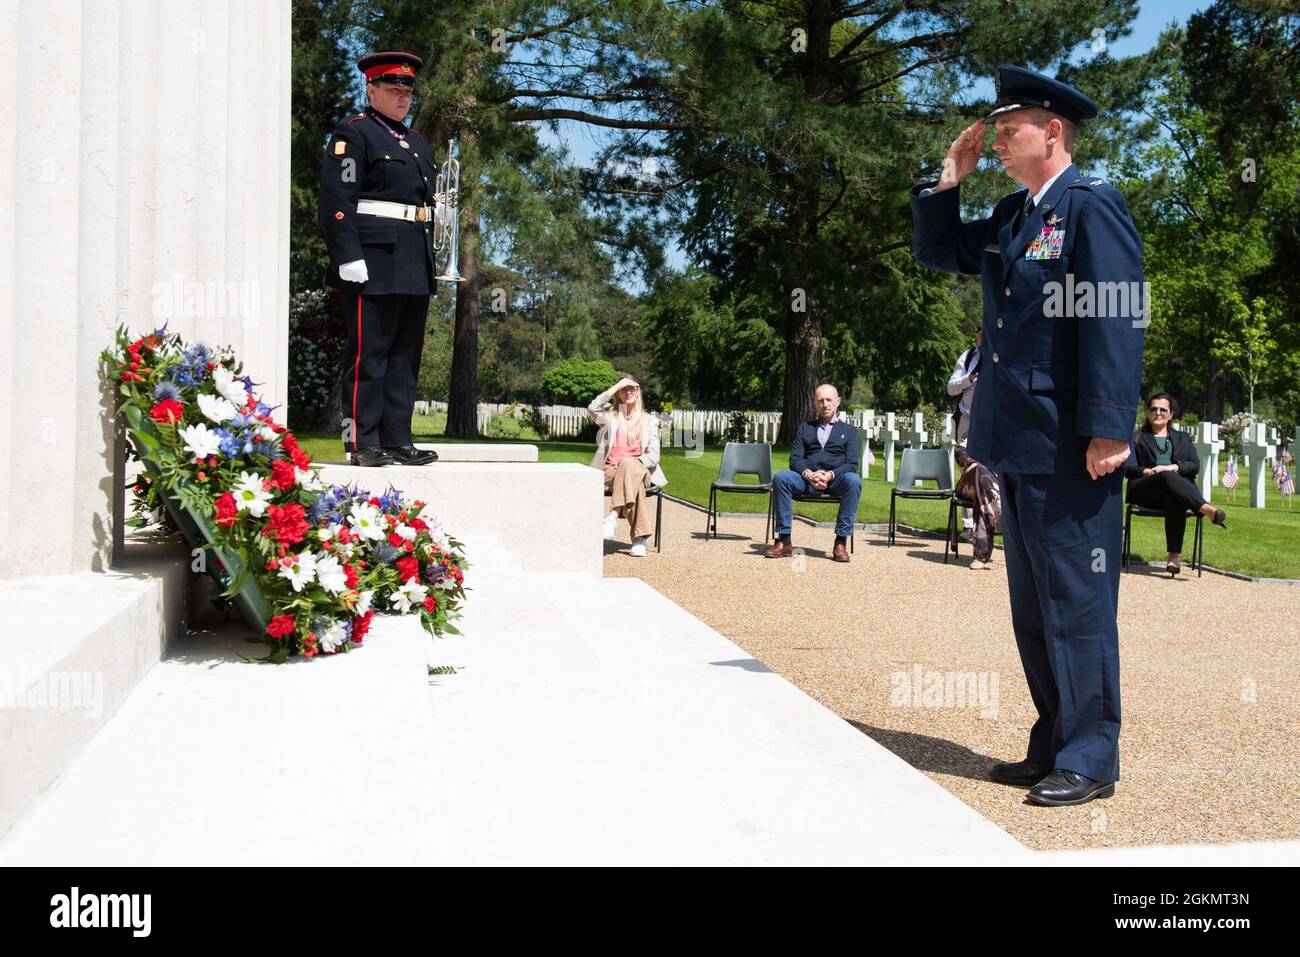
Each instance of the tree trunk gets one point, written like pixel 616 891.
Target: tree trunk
pixel 803 330
pixel 462 400
pixel 803 354
pixel 1214 391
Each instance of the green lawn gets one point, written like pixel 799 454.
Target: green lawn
pixel 1261 542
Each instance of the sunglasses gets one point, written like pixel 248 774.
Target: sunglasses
pixel 1157 410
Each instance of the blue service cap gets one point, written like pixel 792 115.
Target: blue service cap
pixel 1018 89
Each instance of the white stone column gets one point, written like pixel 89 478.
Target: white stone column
pixel 137 159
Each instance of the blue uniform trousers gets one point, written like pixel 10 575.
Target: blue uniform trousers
pixel 1062 535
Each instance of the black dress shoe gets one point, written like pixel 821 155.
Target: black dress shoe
pixel 410 455
pixel 1063 787
pixel 1020 773
pixel 371 456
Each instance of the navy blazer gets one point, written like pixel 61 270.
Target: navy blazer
pixel 839 456
pixel 1051 377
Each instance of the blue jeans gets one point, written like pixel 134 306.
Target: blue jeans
pixel 786 483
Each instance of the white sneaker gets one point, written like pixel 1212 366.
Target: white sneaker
pixel 638 548
pixel 611 525
pixel 979 565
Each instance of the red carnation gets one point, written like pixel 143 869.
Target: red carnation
pixel 419 525
pixel 430 604
pixel 290 445
pixel 409 568
pixel 344 535
pixel 282 475
pixel 361 627
pixel 227 510
pixel 287 524
pixel 168 410
pixel 397 541
pixel 280 626
pixel 350 576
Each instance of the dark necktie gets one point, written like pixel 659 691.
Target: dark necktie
pixel 1024 215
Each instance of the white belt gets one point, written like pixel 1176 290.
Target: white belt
pixel 379 207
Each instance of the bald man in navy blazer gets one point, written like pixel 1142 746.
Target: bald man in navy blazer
pixel 1061 363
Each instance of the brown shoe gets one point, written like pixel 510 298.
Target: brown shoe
pixel 840 553
pixel 779 550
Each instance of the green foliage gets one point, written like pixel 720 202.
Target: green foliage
pixel 578 381
pixel 316 344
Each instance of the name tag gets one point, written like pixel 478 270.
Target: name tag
pixel 1047 244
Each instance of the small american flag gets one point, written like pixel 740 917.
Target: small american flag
pixel 1285 484
pixel 1230 476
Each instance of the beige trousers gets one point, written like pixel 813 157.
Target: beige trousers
pixel 628 481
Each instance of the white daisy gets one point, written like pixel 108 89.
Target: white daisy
pixel 364 600
pixel 230 387
pixel 367 523
pixel 301 571
pixel 200 441
pixel 250 495
pixel 332 636
pixel 411 593
pixel 331 575
pixel 215 408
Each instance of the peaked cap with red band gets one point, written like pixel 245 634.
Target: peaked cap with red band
pixel 390 67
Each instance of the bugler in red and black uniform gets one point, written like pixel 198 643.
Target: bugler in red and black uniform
pixel 376 211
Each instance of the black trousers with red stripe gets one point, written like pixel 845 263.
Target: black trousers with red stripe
pixel 385 339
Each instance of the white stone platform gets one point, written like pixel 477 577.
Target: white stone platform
pixel 481 451
pixel 557 741
pixel 552 509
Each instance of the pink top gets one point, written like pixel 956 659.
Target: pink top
pixel 620 448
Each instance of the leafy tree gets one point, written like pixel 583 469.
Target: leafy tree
pixel 578 381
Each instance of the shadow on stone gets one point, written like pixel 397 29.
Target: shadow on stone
pixel 936 755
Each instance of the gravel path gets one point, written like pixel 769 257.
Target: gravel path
pixel 920 656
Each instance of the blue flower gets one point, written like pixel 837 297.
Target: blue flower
pixel 267 449
pixel 388 554
pixel 167 389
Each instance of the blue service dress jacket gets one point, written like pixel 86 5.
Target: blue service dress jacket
pixel 1064 300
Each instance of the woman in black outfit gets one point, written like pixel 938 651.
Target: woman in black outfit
pixel 1160 476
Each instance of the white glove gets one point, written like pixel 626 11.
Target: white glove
pixel 354 271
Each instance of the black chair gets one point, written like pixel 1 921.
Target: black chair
pixel 1198 540
pixel 824 497
pixel 651 491
pixel 924 465
pixel 741 458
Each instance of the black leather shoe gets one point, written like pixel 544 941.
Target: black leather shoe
pixel 410 455
pixel 1019 773
pixel 1063 787
pixel 371 456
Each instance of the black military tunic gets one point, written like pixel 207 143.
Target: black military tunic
pixel 369 157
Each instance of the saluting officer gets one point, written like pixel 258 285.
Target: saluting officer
pixel 1060 361
pixel 376 195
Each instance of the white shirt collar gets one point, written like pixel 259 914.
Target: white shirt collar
pixel 1038 197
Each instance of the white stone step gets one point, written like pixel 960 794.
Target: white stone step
pixel 86 640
